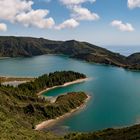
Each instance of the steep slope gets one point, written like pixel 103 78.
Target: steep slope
pixel 101 55
pixel 134 58
pixel 28 46
pixel 21 46
pixel 134 61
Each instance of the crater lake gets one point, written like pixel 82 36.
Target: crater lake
pixel 115 92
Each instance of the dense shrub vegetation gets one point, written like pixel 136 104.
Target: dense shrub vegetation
pixel 21 109
pixel 49 80
pixel 128 133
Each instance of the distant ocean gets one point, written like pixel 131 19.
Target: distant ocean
pixel 125 50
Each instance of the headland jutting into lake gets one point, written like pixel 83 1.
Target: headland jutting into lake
pixel 28 109
pixel 11 81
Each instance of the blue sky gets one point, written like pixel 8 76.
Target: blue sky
pixel 101 22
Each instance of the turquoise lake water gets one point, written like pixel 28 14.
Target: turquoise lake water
pixel 115 92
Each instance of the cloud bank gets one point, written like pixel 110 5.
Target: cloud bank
pixel 77 13
pixel 20 11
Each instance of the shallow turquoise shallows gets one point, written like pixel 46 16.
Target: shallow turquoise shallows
pixel 115 92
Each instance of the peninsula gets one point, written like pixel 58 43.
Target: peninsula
pixel 21 109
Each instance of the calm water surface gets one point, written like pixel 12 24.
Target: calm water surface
pixel 115 92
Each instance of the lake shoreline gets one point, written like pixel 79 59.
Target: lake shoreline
pixel 14 80
pixel 64 85
pixel 46 124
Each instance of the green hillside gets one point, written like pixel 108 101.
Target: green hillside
pixel 28 46
pixel 21 109
pixel 128 133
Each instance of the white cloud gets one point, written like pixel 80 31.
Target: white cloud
pixel 70 23
pixel 10 8
pixel 35 18
pixel 80 13
pixel 21 11
pixel 133 3
pixel 3 27
pixel 75 2
pixel 122 26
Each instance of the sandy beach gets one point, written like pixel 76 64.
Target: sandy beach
pixel 51 122
pixel 66 84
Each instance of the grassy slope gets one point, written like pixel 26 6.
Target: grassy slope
pixel 21 109
pixel 14 124
pixel 128 133
pixel 18 117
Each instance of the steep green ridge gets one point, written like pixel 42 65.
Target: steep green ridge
pixel 28 46
pixel 21 109
pixel 134 61
pixel 128 133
